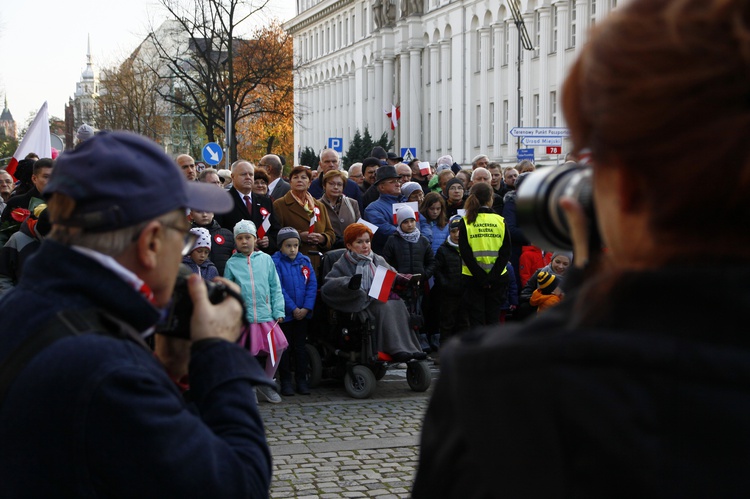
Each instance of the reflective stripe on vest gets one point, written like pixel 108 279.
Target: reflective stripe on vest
pixel 486 237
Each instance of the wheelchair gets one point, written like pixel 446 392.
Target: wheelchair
pixel 343 346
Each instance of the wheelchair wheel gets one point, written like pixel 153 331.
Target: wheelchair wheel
pixel 315 368
pixel 379 370
pixel 418 375
pixel 359 382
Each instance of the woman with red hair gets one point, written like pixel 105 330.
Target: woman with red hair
pixel 638 383
pixel 347 287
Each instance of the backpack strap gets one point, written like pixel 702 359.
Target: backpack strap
pixel 65 323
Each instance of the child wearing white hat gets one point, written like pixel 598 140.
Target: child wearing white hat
pixel 197 259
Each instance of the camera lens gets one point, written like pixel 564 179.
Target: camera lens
pixel 538 204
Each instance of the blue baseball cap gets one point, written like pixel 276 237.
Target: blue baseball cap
pixel 120 179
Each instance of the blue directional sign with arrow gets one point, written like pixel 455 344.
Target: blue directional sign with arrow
pixel 212 153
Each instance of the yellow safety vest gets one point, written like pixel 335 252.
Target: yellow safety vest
pixel 486 236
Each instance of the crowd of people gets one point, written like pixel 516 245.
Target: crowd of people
pixel 619 386
pixel 416 226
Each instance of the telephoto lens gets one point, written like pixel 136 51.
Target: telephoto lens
pixel 538 204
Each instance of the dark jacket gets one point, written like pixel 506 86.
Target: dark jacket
pixel 19 201
pixel 281 188
pixel 626 389
pixel 448 270
pixel 14 253
pixel 97 415
pixel 410 258
pixel 239 212
pixel 222 244
pixel 207 270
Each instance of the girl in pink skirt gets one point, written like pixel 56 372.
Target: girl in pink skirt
pixel 256 274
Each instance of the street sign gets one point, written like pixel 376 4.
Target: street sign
pixel 554 150
pixel 525 154
pixel 336 143
pixel 408 153
pixel 542 141
pixel 212 153
pixel 540 132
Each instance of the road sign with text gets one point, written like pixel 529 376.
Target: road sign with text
pixel 556 131
pixel 542 141
pixel 554 150
pixel 525 154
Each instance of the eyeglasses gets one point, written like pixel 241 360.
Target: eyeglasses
pixel 356 176
pixel 190 237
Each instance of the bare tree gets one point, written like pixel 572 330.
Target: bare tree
pixel 203 64
pixel 129 100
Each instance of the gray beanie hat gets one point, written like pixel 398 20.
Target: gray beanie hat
pixel 408 188
pixel 287 233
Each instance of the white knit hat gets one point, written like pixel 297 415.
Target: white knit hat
pixel 245 227
pixel 204 238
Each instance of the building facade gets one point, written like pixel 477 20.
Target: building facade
pixel 87 91
pixel 451 66
pixel 7 123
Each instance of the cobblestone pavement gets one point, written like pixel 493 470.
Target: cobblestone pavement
pixel 328 445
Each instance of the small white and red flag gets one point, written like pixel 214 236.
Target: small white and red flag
pixel 315 217
pixel 372 227
pixel 266 223
pixel 424 168
pixel 414 205
pixel 394 115
pixel 36 140
pixel 272 352
pixel 381 283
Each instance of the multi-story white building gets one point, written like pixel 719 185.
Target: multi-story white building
pixel 450 65
pixel 87 91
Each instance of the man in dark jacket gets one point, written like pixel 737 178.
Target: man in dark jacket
pixel 39 178
pixel 329 160
pixel 249 206
pixel 89 410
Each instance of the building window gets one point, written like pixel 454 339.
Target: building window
pixel 478 51
pixel 478 131
pixel 553 35
pixel 537 32
pixel 505 122
pixel 553 108
pixel 506 44
pixel 573 26
pixel 592 11
pixel 346 31
pixel 491 138
pixel 440 131
pixel 427 135
pixel 536 110
pixel 491 64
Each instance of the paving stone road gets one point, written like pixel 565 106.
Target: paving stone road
pixel 328 445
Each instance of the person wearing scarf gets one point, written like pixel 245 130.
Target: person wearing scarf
pixel 297 208
pixel 393 334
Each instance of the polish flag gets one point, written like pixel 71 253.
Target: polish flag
pixel 272 345
pixel 36 140
pixel 414 206
pixel 266 223
pixel 424 168
pixel 394 115
pixel 315 218
pixel 371 226
pixel 381 283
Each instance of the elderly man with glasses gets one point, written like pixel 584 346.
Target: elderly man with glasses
pixel 79 385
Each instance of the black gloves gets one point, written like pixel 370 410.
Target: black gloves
pixel 355 282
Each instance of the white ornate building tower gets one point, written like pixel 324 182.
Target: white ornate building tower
pixel 451 65
pixel 87 91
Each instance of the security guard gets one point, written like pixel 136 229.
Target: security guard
pixel 485 249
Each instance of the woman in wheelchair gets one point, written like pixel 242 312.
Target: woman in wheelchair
pixel 346 289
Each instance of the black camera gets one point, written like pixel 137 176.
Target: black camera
pixel 180 309
pixel 538 204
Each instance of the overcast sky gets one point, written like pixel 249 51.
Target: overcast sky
pixel 43 45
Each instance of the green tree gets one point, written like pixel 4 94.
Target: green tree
pixel 309 157
pixel 361 145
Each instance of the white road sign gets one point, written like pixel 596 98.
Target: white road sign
pixel 542 141
pixel 539 132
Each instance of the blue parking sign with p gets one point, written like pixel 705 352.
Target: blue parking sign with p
pixel 336 143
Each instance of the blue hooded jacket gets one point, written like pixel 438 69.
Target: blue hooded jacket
pixel 298 283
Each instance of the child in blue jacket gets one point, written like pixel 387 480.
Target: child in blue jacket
pixel 299 286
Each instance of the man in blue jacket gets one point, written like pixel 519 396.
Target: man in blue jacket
pixel 86 409
pixel 380 212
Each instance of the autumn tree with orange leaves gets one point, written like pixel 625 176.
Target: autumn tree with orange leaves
pixel 268 127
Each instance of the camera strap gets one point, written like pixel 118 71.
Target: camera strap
pixel 64 324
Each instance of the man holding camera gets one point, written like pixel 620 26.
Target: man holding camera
pixel 86 409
